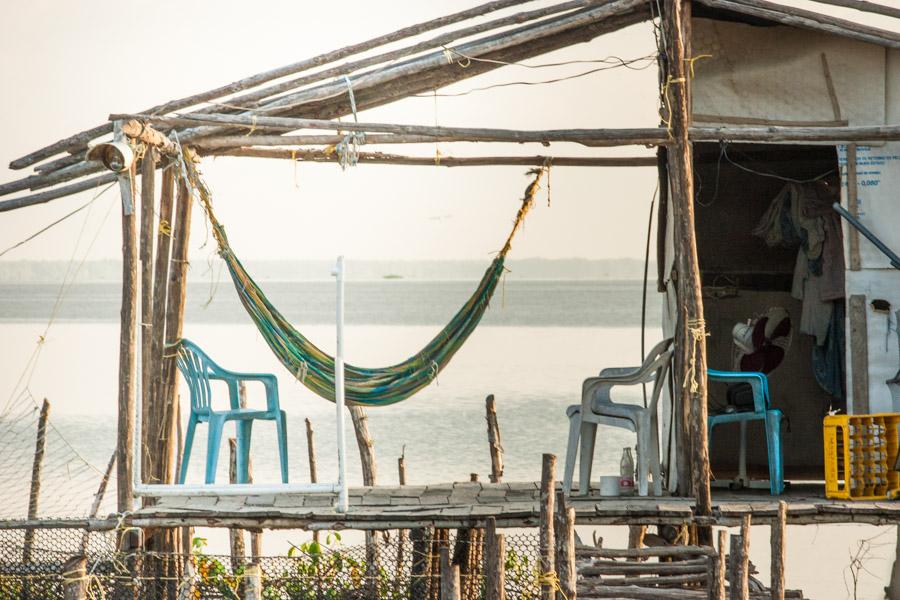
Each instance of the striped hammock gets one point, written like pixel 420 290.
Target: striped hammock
pixel 313 367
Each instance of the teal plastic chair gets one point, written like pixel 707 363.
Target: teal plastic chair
pixel 762 411
pixel 198 370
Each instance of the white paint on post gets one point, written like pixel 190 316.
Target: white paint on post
pixel 343 503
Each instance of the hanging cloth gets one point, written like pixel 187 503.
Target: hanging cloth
pixel 313 367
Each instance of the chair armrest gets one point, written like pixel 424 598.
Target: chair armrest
pixel 619 372
pixel 232 378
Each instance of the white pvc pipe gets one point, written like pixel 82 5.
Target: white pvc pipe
pixel 343 503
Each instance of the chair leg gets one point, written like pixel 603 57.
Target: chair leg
pixel 588 436
pixel 643 454
pixel 773 443
pixel 281 424
pixel 571 451
pixel 188 444
pixel 244 433
pixel 216 424
pixel 654 455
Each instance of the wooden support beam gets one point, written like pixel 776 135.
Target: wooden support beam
pixel 306 155
pixel 98 500
pixel 547 536
pixel 74 578
pixel 149 136
pixel 863 6
pixel 565 550
pixel 778 538
pixel 717 582
pixel 60 192
pixel 82 138
pixel 692 339
pixel 420 570
pixel 494 562
pixel 740 562
pixel 127 334
pixel 149 416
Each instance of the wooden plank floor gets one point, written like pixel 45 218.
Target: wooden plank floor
pixel 512 504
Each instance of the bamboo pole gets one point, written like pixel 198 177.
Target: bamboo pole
pixel 34 493
pixel 126 400
pixel 547 537
pixel 306 155
pixel 692 375
pixel 778 538
pixel 495 445
pixel 145 253
pixel 494 562
pixel 79 139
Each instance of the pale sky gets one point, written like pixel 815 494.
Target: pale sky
pixel 67 65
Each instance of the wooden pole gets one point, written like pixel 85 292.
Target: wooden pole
pixel 494 562
pixel 79 139
pixel 148 407
pixel 420 571
pixel 34 494
pixel 778 538
pixel 74 577
pixel 125 437
pixel 450 588
pixel 717 582
pixel 565 550
pixel 311 454
pixel 252 582
pixel 402 534
pixel 495 444
pixel 692 376
pixel 379 158
pixel 859 354
pixel 235 534
pixel 862 5
pixel 98 500
pixel 740 562
pixel 370 473
pixel 547 537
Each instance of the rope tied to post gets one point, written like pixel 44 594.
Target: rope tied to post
pixel 348 148
pixel 696 334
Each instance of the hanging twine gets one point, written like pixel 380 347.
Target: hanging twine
pixel 551 579
pixel 696 333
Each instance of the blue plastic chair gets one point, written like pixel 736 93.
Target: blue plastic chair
pixel 198 370
pixel 761 412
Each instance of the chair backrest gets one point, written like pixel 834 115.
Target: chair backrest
pixel 658 362
pixel 196 368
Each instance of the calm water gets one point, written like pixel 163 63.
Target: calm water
pixel 537 342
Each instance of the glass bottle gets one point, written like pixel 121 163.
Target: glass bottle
pixel 626 473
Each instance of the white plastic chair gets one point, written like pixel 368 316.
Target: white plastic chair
pixel 597 408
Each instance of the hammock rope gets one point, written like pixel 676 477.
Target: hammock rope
pixel 313 367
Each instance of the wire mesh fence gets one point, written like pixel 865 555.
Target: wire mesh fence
pixel 391 567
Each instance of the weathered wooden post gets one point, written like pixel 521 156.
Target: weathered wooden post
pixel 717 581
pixel 691 339
pixel 98 499
pixel 145 254
pixel 252 582
pixel 34 494
pixel 740 562
pixel 494 443
pixel 402 534
pixel 778 537
pixel 494 562
pixel 450 588
pixel 127 325
pixel 235 534
pixel 74 576
pixel 370 474
pixel 565 549
pixel 420 571
pixel 311 454
pixel 547 537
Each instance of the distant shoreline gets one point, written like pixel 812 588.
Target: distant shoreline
pixel 533 269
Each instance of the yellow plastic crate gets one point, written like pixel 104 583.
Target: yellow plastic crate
pixel 861 456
